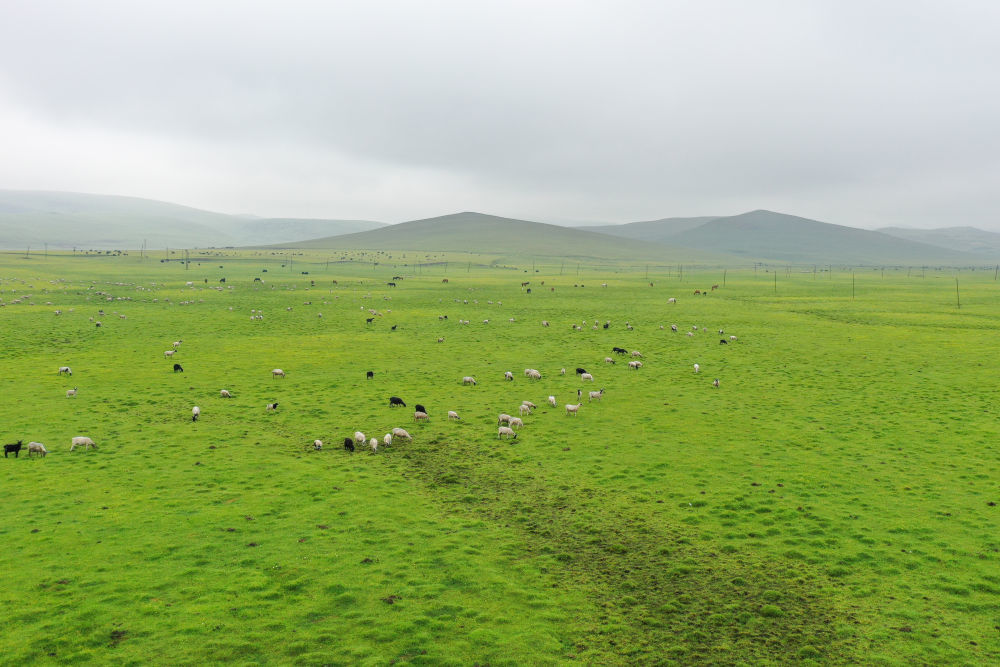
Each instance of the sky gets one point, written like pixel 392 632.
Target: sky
pixel 861 113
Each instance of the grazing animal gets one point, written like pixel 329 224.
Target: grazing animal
pixel 715 287
pixel 607 325
pixel 673 327
pixel 508 375
pixel 36 448
pixel 723 341
pixel 529 404
pixel 635 365
pixel 596 395
pixel 396 400
pixel 581 371
pixel 272 406
pixel 636 353
pixel 504 418
pixel 468 379
pixel 516 422
pixel 65 369
pixel 524 410
pixel 732 338
pixel 545 323
pixel 697 368
pixel 586 376
pixel 278 373
pixel 195 413
pixel 317 445
pixel 619 350
pixel 420 408
pixel 671 300
pixel 452 414
pixel 369 375
pixel 394 327
pixel 697 291
pixel 552 401
pixel 178 368
pixel 360 438
pixel 716 383
pixel 369 320
pixel 14 448
pixel 71 392
pixel 82 441
pixel 573 409
pixel 401 433
pixel 533 374
pixel 506 431
pixel 387 440
pixel 168 353
pixel 562 371
pixel 373 443
pixel 440 340
pixel 348 444
pixel 390 284
pixel 609 360
pixel 224 393
pixel 419 416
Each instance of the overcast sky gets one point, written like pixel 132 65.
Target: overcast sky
pixel 860 113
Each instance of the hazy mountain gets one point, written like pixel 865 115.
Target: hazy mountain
pixel 478 232
pixel 766 235
pixel 69 219
pixel 968 239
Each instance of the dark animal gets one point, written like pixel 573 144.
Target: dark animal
pixel 581 371
pixel 369 320
pixel 619 350
pixel 16 448
pixel 715 287
pixel 444 280
pixel 723 341
pixel 607 324
pixel 697 291
pixel 256 280
pixel 650 284
pixel 396 400
pixel 369 375
pixel 420 408
pixel 222 280
pixel 348 444
pixel 529 290
pixel 391 284
pixel 178 368
pixel 525 284
pixel 394 326
pixel 397 277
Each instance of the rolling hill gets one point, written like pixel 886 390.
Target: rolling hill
pixel 69 219
pixel 481 233
pixel 966 239
pixel 766 235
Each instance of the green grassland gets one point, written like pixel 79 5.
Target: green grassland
pixel 831 502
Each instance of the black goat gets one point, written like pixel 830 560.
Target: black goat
pixel 16 448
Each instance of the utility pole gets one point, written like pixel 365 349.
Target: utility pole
pixel 958 299
pixel 852 285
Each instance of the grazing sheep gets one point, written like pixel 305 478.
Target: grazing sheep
pixel 360 438
pixel 732 338
pixel 516 422
pixel 572 409
pixel 545 323
pixel 396 400
pixel 177 343
pixel 586 376
pixel 636 353
pixel 504 418
pixel 635 365
pixel 523 410
pixel 195 413
pixel 452 414
pixel 671 300
pixel 533 374
pixel 387 440
pixel 82 441
pixel 596 395
pixel 506 431
pixel 168 353
pixel 440 340
pixel 369 375
pixel 581 371
pixel 419 416
pixel 272 406
pixel 15 448
pixel 224 393
pixel 697 368
pixel 690 334
pixel 65 369
pixel 317 445
pixel 373 443
pixel 348 444
pixel 609 360
pixel 529 404
pixel 673 327
pixel 508 375
pixel 178 368
pixel 420 408
pixel 723 341
pixel 401 433
pixel 716 383
pixel 36 448
pixel 552 401
pixel 277 372
pixel 71 392
pixel 468 379
pixel 562 371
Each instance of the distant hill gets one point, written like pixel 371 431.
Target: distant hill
pixel 966 239
pixel 69 219
pixel 481 233
pixel 766 235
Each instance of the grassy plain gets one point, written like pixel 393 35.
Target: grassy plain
pixel 832 501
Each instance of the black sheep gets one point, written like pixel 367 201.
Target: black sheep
pixel 348 444
pixel 396 400
pixel 16 448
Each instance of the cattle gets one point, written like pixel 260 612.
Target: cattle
pixel 390 284
pixel 396 400
pixel 178 368
pixel 14 448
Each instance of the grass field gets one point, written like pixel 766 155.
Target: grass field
pixel 832 501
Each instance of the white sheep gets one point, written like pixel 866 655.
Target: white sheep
pixel 533 374
pixel 545 323
pixel 177 343
pixel 195 413
pixel 716 383
pixel 635 365
pixel 515 422
pixel 506 431
pixel 690 334
pixel 65 369
pixel 271 407
pixel 277 372
pixel 71 392
pixel 596 395
pixel 552 401
pixel 586 376
pixel 359 438
pixel 732 338
pixel 224 393
pixel 168 353
pixel 697 368
pixel 529 404
pixel 468 379
pixel 508 375
pixel 373 443
pixel 419 416
pixel 671 300
pixel 523 410
pixel 317 445
pixel 504 418
pixel 636 353
pixel 82 441
pixel 609 360
pixel 572 409
pixel 452 414
pixel 36 448
pixel 440 340
pixel 401 433
pixel 387 440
